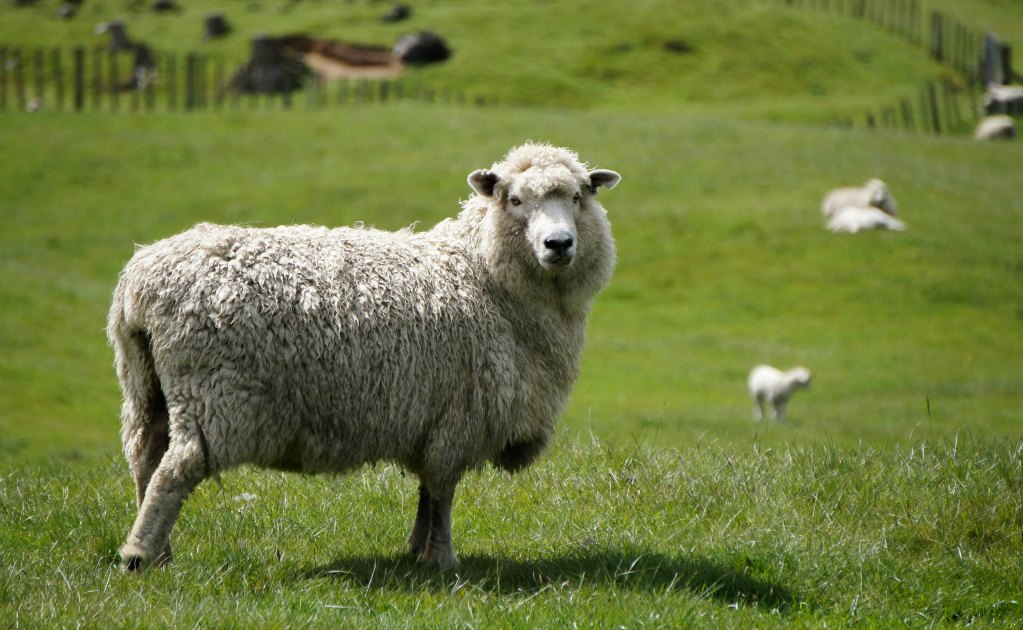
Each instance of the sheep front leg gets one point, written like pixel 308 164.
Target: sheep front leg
pixel 421 529
pixel 439 548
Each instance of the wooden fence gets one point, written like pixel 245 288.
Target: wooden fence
pixel 947 40
pixel 944 106
pixel 97 79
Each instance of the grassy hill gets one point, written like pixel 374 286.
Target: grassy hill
pixel 748 57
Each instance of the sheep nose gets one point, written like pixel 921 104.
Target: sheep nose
pixel 559 242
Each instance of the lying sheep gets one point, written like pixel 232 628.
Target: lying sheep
pixel 995 128
pixel 874 194
pixel 319 350
pixel 1003 99
pixel 772 386
pixel 852 220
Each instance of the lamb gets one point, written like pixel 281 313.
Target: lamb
pixel 317 350
pixel 874 194
pixel 851 219
pixel 771 385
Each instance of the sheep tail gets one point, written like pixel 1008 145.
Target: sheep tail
pixel 145 422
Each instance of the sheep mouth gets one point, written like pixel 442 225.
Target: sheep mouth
pixel 556 262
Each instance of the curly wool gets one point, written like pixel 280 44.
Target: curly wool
pixel 313 349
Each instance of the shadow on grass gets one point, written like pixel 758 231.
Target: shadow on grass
pixel 625 569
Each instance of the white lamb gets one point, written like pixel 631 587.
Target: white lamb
pixel 852 219
pixel 873 194
pixel 320 350
pixel 768 385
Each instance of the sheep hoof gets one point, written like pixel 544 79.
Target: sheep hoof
pixel 133 564
pixel 440 559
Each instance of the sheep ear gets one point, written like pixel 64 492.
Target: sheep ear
pixel 603 177
pixel 483 181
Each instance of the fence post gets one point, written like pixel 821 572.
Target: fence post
pixel 19 80
pixel 932 98
pixel 38 70
pixel 3 79
pixel 907 114
pixel 190 81
pixel 172 82
pixel 114 80
pixel 79 80
pixel 58 77
pixel 97 77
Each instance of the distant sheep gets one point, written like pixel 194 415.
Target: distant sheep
pixel 1003 99
pixel 319 350
pixel 771 386
pixel 874 194
pixel 995 128
pixel 852 220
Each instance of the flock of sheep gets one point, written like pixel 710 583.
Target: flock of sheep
pixel 319 350
pixel 852 209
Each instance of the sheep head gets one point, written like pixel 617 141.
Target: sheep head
pixel 545 195
pixel 881 197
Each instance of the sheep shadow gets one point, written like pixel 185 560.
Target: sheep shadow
pixel 633 570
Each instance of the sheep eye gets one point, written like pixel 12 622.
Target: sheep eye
pixel 577 198
pixel 515 201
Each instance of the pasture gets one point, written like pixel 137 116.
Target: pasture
pixel 891 495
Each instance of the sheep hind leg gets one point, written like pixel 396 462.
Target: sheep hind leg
pixel 439 548
pixel 181 469
pixel 420 535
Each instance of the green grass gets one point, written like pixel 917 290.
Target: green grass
pixel 596 535
pixel 724 262
pixel 891 496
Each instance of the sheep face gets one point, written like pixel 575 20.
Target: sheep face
pixel 801 377
pixel 550 206
pixel 881 197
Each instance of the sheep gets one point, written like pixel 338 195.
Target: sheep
pixel 1003 99
pixel 851 219
pixel 995 128
pixel 317 350
pixel 771 385
pixel 874 193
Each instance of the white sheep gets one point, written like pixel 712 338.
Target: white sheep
pixel 852 220
pixel 768 385
pixel 319 350
pixel 999 127
pixel 874 194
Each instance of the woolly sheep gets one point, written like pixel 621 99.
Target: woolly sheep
pixel 768 385
pixel 874 193
pixel 852 220
pixel 999 127
pixel 319 350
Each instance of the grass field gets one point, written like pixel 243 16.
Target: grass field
pixel 893 495
pixel 723 259
pixel 596 535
